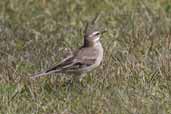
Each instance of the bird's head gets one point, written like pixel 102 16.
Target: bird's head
pixel 94 36
pixel 92 32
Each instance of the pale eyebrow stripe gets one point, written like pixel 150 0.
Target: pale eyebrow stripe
pixel 94 33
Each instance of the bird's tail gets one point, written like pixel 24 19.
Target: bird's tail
pixel 44 73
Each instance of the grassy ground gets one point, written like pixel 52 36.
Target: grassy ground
pixel 134 78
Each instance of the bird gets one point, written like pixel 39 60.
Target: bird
pixel 84 59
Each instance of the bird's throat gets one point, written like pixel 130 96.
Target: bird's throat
pixel 91 43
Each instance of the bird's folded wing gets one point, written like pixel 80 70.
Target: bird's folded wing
pixel 64 63
pixel 83 58
pixel 87 55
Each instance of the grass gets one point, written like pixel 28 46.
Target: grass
pixel 134 78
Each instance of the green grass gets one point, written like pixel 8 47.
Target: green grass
pixel 134 78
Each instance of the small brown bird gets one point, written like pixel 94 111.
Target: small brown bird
pixel 85 59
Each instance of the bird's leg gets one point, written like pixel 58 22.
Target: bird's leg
pixel 81 80
pixel 81 77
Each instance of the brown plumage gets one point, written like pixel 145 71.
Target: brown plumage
pixel 85 59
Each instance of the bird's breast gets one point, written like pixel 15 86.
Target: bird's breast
pixel 100 54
